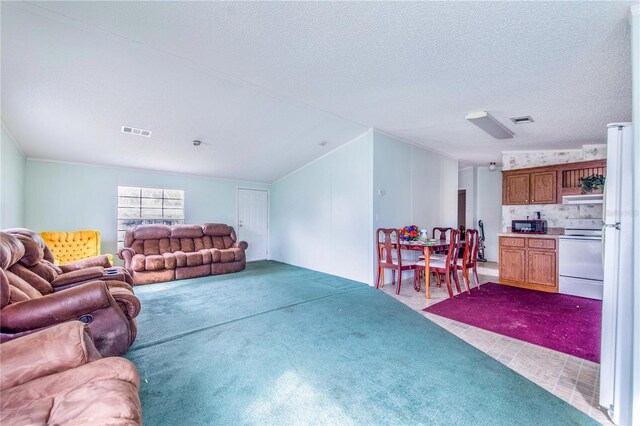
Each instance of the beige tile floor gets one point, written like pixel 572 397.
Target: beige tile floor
pixel 572 379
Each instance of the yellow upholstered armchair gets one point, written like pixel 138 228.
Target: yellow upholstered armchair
pixel 73 246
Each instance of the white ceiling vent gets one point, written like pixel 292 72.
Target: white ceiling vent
pixel 136 131
pixel 522 119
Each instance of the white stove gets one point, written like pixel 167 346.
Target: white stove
pixel 580 259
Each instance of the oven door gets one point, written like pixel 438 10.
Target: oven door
pixel 581 257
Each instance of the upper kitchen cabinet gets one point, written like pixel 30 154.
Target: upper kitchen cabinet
pixel 547 185
pixel 543 188
pixel 515 188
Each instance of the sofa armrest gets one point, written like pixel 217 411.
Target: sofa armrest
pixel 102 260
pixel 128 301
pixel 80 275
pixel 55 308
pixel 59 348
pixel 241 245
pixel 126 254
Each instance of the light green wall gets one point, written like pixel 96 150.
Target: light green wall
pixel 66 197
pixel 321 214
pixel 12 173
pixel 419 187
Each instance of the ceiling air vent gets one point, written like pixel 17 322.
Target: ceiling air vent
pixel 136 131
pixel 521 120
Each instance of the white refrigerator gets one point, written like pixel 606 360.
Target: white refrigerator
pixel 617 301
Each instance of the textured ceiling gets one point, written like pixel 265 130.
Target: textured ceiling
pixel 263 83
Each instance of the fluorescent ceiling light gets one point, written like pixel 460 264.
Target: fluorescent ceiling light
pixel 486 122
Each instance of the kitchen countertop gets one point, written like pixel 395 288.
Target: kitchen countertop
pixel 522 235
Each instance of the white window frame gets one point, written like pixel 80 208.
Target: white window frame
pixel 145 220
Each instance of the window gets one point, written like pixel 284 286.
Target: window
pixel 138 206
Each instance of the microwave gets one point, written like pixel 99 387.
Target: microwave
pixel 535 226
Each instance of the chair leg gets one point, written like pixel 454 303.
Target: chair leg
pixel 447 278
pixel 455 279
pixel 399 282
pixel 378 275
pixel 475 275
pixel 393 277
pixel 465 277
pixel 437 279
pixel 416 280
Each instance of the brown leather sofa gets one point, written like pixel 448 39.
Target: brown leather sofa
pixel 56 376
pixel 157 253
pixel 24 309
pixel 37 263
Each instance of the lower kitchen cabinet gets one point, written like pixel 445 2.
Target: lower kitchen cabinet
pixel 541 267
pixel 529 262
pixel 512 264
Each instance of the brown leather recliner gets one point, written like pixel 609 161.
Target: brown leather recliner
pixel 65 381
pixel 24 309
pixel 34 266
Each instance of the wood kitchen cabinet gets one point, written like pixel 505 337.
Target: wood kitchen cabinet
pixel 512 265
pixel 547 184
pixel 543 187
pixel 541 267
pixel 515 188
pixel 529 262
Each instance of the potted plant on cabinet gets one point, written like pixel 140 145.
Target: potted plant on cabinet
pixel 592 184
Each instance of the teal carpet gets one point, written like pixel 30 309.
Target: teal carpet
pixel 276 344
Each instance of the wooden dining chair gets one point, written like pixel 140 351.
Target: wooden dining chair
pixel 388 239
pixel 447 266
pixel 470 258
pixel 440 233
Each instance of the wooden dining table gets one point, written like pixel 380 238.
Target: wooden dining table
pixel 426 247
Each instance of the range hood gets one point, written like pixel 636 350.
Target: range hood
pixel 583 199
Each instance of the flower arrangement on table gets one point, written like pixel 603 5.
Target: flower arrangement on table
pixel 410 233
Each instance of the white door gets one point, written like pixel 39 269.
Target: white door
pixel 253 222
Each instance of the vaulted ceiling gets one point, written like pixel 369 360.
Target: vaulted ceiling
pixel 262 84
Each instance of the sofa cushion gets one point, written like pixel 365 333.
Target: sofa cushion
pixel 215 255
pixel 22 285
pixel 194 259
pixel 137 262
pixel 228 242
pixel 216 229
pixel 138 246
pixel 227 255
pixel 206 256
pixel 198 244
pixel 186 245
pixel 181 259
pixel 16 295
pixel 149 232
pixel 151 247
pixel 169 260
pixel 186 231
pixel 164 246
pixel 218 242
pixel 238 253
pixel 11 250
pixel 33 253
pixel 154 262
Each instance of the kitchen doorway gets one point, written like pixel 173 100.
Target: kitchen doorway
pixel 462 208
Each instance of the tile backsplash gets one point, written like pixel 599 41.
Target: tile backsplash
pixel 556 215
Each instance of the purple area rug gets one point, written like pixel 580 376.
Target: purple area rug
pixel 560 322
